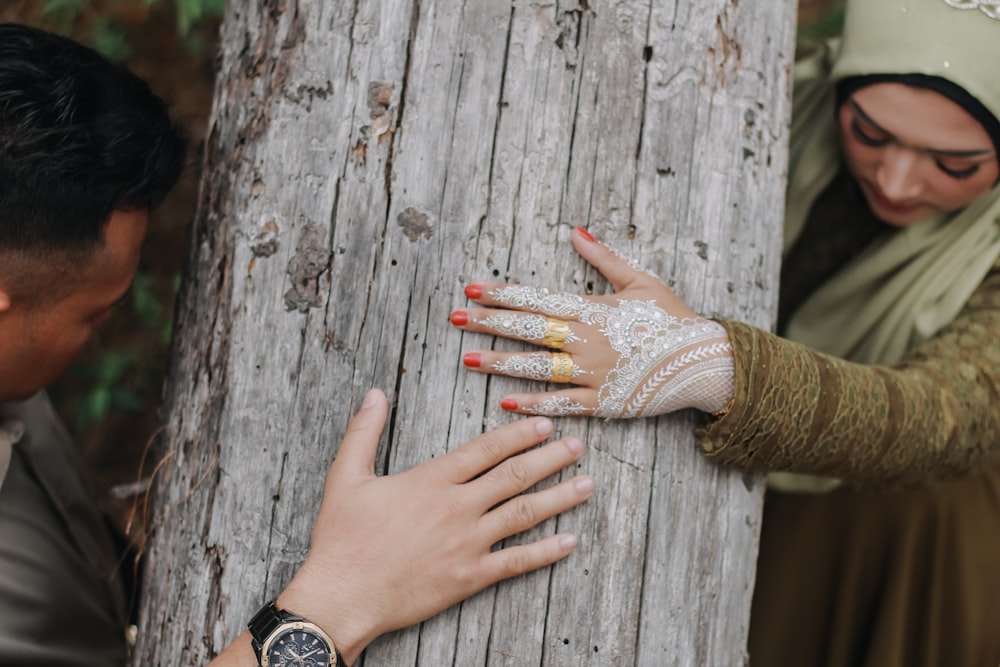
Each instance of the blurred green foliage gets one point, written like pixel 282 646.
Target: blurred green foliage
pixel 824 23
pixel 190 12
pixel 104 23
pixel 106 390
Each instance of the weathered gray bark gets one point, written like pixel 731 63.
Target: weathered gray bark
pixel 366 160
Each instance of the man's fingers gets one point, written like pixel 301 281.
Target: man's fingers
pixel 479 455
pixel 526 511
pixel 514 561
pixel 525 470
pixel 357 449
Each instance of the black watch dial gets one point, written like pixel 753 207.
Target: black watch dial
pixel 298 647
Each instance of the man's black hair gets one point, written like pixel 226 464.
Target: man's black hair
pixel 80 137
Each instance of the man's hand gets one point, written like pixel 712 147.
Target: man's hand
pixel 389 552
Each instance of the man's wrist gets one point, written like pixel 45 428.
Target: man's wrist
pixel 340 623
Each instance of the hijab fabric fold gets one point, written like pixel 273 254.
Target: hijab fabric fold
pixel 909 283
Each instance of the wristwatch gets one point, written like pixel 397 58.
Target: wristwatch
pixel 282 639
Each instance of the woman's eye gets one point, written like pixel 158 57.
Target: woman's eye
pixel 957 173
pixel 866 138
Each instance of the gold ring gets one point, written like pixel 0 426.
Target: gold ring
pixel 562 367
pixel 556 333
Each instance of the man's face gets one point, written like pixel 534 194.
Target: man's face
pixel 38 340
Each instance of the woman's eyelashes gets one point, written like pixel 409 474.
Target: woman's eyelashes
pixel 870 139
pixel 960 174
pixel 867 138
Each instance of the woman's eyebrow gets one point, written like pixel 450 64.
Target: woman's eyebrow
pixel 856 108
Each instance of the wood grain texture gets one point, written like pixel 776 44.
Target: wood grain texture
pixel 365 161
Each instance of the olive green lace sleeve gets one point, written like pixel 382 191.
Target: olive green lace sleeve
pixel 933 414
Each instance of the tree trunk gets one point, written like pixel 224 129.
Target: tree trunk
pixel 365 161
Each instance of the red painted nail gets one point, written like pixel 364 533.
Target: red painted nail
pixel 474 291
pixel 508 404
pixel 459 318
pixel 472 360
pixel 585 234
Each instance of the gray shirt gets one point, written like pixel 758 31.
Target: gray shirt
pixel 62 601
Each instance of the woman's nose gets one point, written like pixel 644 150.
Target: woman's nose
pixel 898 174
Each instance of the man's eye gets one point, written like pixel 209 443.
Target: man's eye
pixel 957 173
pixel 866 138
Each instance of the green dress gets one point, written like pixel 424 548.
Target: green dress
pixel 901 566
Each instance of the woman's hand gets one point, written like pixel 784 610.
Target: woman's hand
pixel 636 353
pixel 389 552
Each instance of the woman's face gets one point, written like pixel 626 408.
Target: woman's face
pixel 914 152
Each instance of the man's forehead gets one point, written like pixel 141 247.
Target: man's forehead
pixel 111 261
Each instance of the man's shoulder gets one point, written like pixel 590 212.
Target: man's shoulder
pixel 52 602
pixel 59 595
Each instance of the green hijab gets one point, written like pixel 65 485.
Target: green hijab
pixel 908 284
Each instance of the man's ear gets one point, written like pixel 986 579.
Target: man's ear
pixel 4 300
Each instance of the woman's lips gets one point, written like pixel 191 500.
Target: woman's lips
pixel 887 204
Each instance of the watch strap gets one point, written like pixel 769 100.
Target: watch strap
pixel 268 619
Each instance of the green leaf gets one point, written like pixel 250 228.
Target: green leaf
pixel 166 332
pixel 56 5
pixel 112 367
pixel 189 12
pixel 124 400
pixel 93 407
pixel 145 301
pixel 830 24
pixel 110 41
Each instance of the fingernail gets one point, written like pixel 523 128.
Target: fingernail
pixel 575 445
pixel 370 399
pixel 508 404
pixel 459 318
pixel 542 426
pixel 472 360
pixel 567 541
pixel 585 234
pixel 473 291
pixel 584 484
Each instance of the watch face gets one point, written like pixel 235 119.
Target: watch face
pixel 297 646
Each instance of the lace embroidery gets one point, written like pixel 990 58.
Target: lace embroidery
pixel 659 355
pixel 989 7
pixel 559 406
pixel 525 327
pixel 535 366
pixel 634 265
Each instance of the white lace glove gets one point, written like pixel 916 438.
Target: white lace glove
pixel 636 353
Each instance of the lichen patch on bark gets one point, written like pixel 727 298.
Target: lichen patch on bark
pixel 310 261
pixel 415 224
